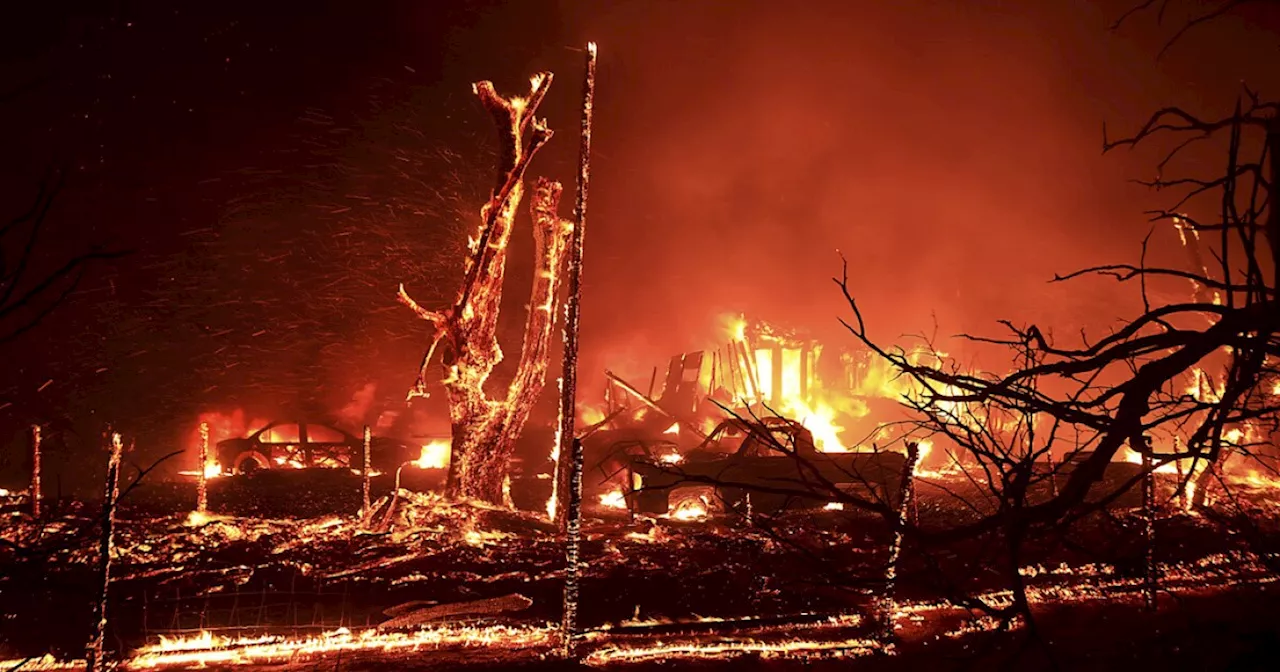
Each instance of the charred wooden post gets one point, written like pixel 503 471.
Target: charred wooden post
pixel 573 303
pixel 202 477
pixel 569 631
pixel 1149 582
pixel 106 545
pixel 573 513
pixel 35 471
pixel 1053 474
pixel 906 492
pixel 364 472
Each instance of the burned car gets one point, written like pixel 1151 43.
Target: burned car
pixel 770 462
pixel 309 445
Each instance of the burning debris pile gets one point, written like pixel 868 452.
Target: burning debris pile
pixel 452 577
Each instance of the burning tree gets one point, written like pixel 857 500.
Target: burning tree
pixel 485 428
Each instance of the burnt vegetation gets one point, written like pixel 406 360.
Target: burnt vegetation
pixel 725 513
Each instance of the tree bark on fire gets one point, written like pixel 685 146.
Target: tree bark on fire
pixel 485 428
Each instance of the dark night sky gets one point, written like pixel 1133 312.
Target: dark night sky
pixel 279 167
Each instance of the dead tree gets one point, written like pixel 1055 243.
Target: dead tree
pixel 485 428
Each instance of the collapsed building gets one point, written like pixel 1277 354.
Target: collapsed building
pixel 844 397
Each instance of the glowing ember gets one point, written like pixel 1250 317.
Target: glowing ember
pixel 47 662
pixel 834 506
pixel 435 455
pixel 724 649
pixel 590 415
pixel 211 470
pixel 198 518
pixel 555 483
pixel 736 326
pixel 672 458
pixel 673 429
pixel 208 649
pixel 614 499
pixel 924 446
pixel 690 509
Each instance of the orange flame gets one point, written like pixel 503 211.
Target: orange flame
pixel 613 499
pixel 435 455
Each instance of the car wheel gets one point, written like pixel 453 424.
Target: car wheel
pixel 693 502
pixel 249 465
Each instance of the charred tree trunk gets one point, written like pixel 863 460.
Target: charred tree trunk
pixel 106 545
pixel 485 429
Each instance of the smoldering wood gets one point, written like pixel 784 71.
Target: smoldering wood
pixel 1149 579
pixel 366 470
pixel 202 479
pixel 106 546
pixel 573 513
pixel 642 398
pixel 417 613
pixel 35 471
pixel 888 600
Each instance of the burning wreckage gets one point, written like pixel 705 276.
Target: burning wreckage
pixel 736 437
pixel 751 424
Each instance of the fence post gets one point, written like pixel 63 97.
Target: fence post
pixel 1149 583
pixel 368 441
pixel 35 471
pixel 888 601
pixel 1053 474
pixel 106 545
pixel 202 478
pixel 573 561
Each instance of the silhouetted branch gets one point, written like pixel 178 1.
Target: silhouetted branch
pixel 17 252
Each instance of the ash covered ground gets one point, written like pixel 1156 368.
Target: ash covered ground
pixel 287 556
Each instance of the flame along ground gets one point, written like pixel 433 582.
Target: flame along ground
pixel 805 636
pixel 432 520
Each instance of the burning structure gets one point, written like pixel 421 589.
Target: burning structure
pixel 709 458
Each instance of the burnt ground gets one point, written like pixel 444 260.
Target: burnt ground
pixel 287 557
